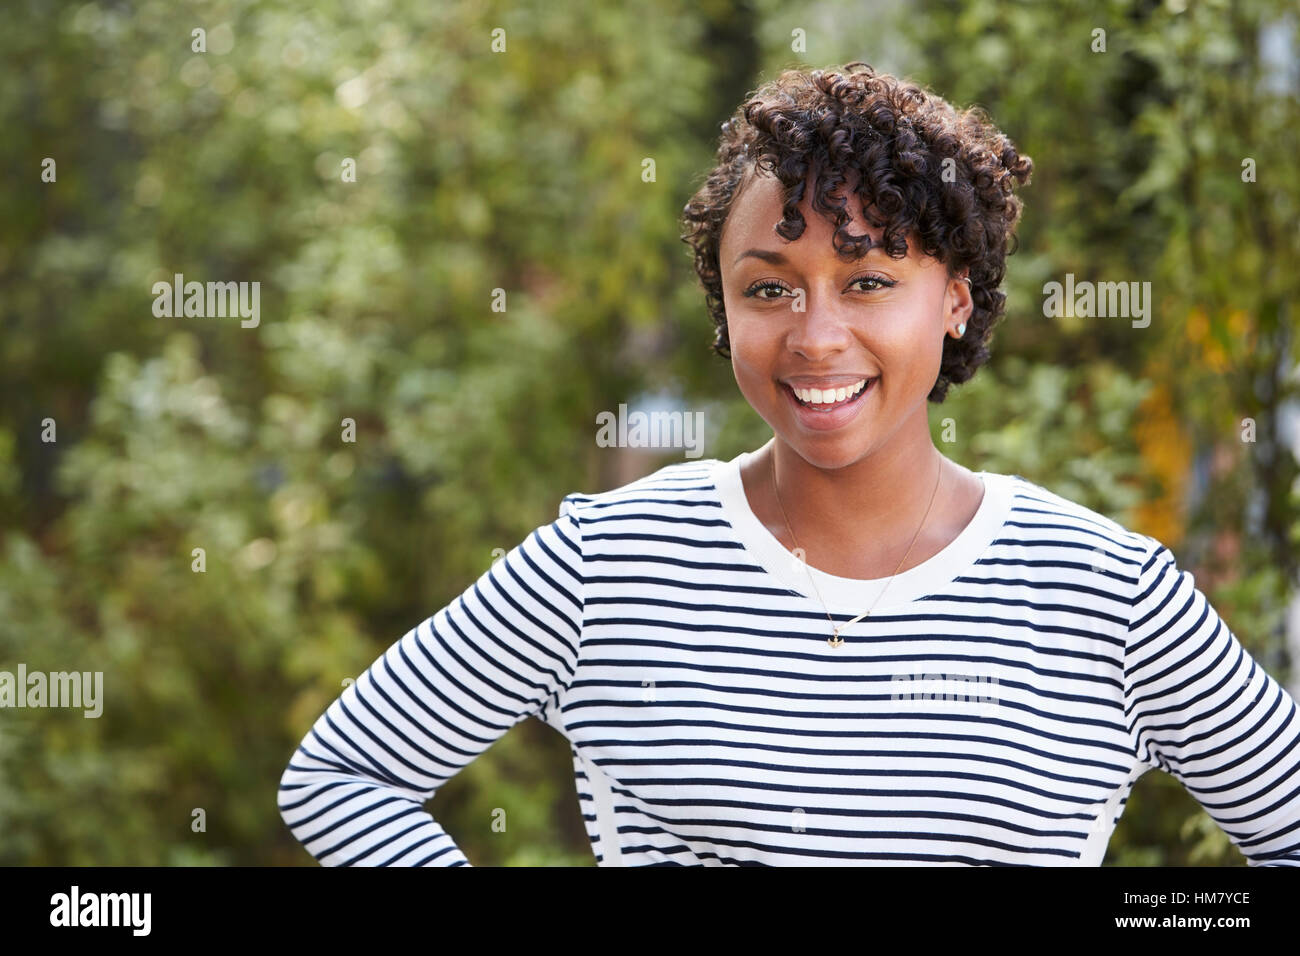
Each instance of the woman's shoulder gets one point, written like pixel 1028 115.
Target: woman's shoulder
pixel 677 485
pixel 1037 512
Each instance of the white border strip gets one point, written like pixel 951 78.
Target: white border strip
pixel 611 850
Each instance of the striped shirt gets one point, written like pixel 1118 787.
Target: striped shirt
pixel 995 708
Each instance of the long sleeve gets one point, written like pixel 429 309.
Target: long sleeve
pixel 1201 708
pixel 353 791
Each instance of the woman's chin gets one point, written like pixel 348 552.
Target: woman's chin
pixel 827 452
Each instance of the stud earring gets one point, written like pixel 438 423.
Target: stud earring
pixel 961 329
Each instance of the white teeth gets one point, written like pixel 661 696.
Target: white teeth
pixel 829 396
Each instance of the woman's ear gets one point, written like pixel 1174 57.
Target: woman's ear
pixel 960 305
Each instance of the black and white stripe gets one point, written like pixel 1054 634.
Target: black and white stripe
pixel 672 640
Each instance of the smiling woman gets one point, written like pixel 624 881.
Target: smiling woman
pixel 929 175
pixel 855 230
pixel 735 695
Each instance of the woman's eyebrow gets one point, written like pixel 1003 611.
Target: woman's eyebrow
pixel 779 259
pixel 775 258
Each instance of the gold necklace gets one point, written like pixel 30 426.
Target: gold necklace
pixel 835 640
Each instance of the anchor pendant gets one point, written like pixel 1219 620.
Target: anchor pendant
pixel 838 641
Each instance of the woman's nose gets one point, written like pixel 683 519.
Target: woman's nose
pixel 824 327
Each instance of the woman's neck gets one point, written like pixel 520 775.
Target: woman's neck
pixel 858 521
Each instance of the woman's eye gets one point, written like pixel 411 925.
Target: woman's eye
pixel 775 290
pixel 775 287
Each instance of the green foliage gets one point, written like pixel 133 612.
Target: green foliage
pixel 476 171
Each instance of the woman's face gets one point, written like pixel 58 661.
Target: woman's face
pixel 877 318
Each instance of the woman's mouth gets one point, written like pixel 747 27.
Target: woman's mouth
pixel 822 415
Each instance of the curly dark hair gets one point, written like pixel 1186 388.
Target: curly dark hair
pixel 896 136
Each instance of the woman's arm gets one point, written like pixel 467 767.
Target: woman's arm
pixel 1201 708
pixel 435 700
